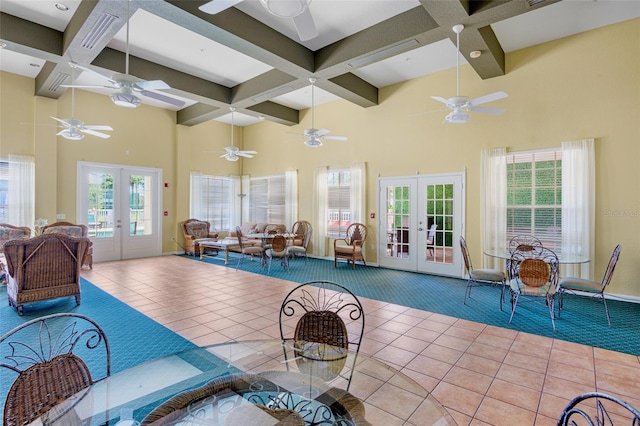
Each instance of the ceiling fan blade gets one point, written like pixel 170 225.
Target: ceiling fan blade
pixel 78 86
pixel 487 110
pixel 97 127
pixel 244 154
pixel 223 155
pixel 152 85
pixel 488 98
pixel 60 120
pixel 93 72
pixel 321 132
pixel 305 26
pixel 94 133
pixel 440 99
pixel 250 152
pixel 217 6
pixel 335 138
pixel 163 98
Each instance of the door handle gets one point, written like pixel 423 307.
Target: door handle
pixel 420 229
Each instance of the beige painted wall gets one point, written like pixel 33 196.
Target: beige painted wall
pixel 582 86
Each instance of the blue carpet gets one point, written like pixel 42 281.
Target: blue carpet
pixel 582 320
pixel 133 337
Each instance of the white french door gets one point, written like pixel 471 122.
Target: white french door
pixel 121 207
pixel 408 209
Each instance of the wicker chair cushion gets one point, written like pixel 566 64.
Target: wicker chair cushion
pixel 487 275
pixel 10 233
pixel 42 386
pixel 581 284
pixel 344 248
pixel 72 231
pixel 322 327
pixel 197 229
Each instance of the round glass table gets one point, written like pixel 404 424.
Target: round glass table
pixel 259 382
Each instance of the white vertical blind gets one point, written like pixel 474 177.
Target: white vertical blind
pixel 21 195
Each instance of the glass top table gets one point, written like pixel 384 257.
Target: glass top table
pixel 563 258
pixel 257 382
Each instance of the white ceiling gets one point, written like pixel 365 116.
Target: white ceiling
pixel 158 40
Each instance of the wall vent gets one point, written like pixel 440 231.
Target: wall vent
pixel 98 30
pixel 57 81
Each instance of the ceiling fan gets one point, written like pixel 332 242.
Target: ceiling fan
pixel 460 106
pixel 298 10
pixel 315 136
pixel 128 86
pixel 74 129
pixel 232 152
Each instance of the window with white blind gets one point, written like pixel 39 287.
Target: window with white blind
pixel 338 202
pixel 267 199
pixel 4 191
pixel 211 200
pixel 534 196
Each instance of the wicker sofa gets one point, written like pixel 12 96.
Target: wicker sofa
pixel 250 228
pixel 44 267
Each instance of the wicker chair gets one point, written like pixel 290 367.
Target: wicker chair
pixel 597 408
pixel 194 230
pixel 73 230
pixel 301 242
pixel 351 247
pixel 54 357
pixel 589 288
pixel 10 232
pixel 323 312
pixel 247 249
pixel 533 274
pixel 491 277
pixel 277 249
pixel 44 267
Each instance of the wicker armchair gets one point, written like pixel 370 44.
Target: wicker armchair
pixel 44 267
pixel 194 230
pixel 10 232
pixel 73 230
pixel 324 312
pixel 351 247
pixel 54 357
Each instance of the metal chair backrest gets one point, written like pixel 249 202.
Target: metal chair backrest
pixel 534 266
pixel 608 273
pixel 524 243
pixel 278 243
pixel 465 255
pixel 53 357
pixel 239 235
pixel 583 410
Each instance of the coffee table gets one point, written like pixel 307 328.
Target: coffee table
pixel 223 244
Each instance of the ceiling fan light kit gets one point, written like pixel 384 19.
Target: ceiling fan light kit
pixel 314 136
pixel 285 8
pixel 232 152
pixel 124 99
pixel 70 134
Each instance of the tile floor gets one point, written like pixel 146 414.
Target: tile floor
pixel 483 375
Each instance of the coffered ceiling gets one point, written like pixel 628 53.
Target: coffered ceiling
pixel 248 58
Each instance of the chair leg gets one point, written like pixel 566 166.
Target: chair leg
pixel 514 303
pixel 467 292
pixel 606 309
pixel 550 302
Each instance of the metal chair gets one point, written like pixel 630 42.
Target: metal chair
pixel 533 274
pixel 524 242
pixel 597 408
pixel 301 250
pixel 477 277
pixel 329 320
pixel 277 249
pixel 431 239
pixel 54 356
pixel 351 246
pixel 589 288
pixel 247 250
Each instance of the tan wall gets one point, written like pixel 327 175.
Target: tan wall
pixel 582 86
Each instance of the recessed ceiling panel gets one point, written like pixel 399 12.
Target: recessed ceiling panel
pixel 157 40
pixel 17 63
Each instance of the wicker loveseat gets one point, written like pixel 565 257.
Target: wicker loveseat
pixel 250 228
pixel 44 267
pixel 72 230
